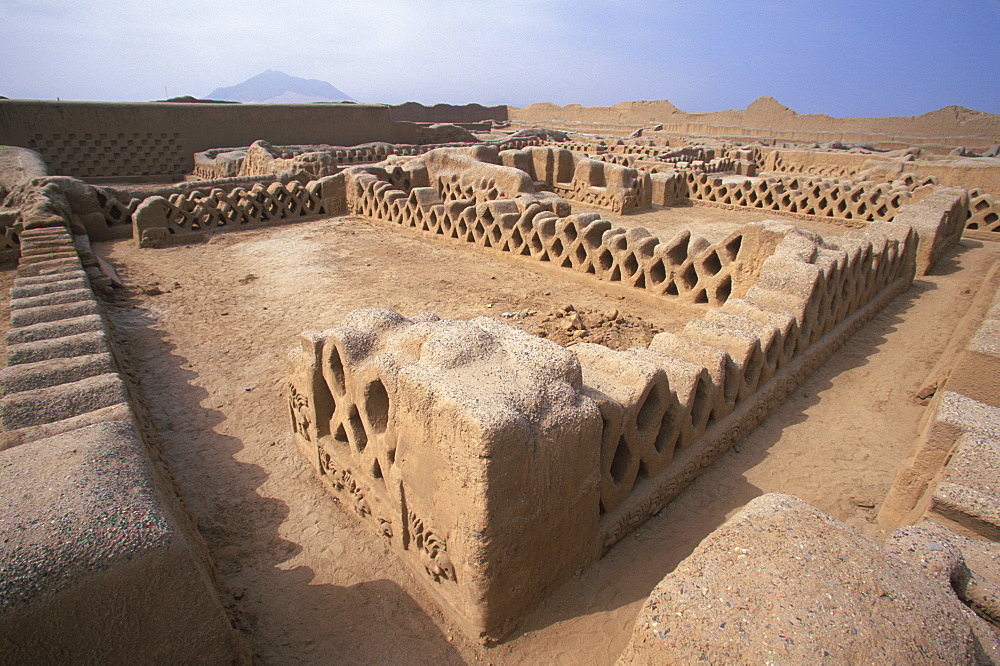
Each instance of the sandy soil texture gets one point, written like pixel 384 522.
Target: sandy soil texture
pixel 207 328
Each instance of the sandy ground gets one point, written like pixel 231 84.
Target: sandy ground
pixel 208 326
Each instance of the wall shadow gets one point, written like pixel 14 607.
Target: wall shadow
pixel 284 614
pixel 949 263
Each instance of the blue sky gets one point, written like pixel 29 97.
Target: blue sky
pixel 843 58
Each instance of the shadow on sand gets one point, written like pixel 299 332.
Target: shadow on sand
pixel 373 621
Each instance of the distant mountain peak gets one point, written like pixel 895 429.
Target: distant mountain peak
pixel 274 87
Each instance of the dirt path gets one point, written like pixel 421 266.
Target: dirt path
pixel 307 584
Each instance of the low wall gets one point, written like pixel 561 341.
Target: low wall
pixel 538 226
pixel 430 414
pixel 98 560
pixel 714 165
pixel 114 140
pixel 952 474
pixel 592 182
pixel 261 158
pixel 653 158
pixel 937 214
pixel 981 177
pixel 802 194
pixel 87 209
pixel 191 217
pixel 938 219
pixel 441 440
pixel 953 171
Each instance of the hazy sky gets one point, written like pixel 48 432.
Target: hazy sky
pixel 843 58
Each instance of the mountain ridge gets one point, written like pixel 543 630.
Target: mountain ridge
pixel 274 87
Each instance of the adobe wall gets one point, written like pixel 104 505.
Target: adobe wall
pixel 597 183
pixel 17 165
pixel 375 403
pixel 103 140
pixel 937 214
pixel 980 176
pixel 954 171
pixel 262 158
pixel 946 498
pixel 447 113
pixel 952 475
pixel 848 188
pixel 401 418
pixel 766 119
pixel 469 444
pixel 94 536
pixel 86 209
pixel 190 217
pixel 781 582
pixel 539 226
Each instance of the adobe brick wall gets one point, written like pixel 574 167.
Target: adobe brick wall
pixel 99 139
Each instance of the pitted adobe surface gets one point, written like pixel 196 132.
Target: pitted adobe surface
pixel 7 275
pixel 308 583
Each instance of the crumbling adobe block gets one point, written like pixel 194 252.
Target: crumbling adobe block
pixel 471 446
pixel 780 568
pixel 938 220
pixel 93 565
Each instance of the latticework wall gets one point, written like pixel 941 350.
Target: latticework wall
pixel 803 195
pixel 786 300
pixel 689 269
pixel 984 211
pixel 692 381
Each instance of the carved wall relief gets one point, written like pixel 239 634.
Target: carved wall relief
pixel 430 547
pixel 342 481
pixel 298 407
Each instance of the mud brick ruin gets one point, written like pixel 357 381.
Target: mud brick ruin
pixel 496 463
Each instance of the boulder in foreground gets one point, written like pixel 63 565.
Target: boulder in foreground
pixel 782 582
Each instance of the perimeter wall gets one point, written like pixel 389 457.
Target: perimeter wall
pixel 765 119
pixel 447 113
pixel 108 140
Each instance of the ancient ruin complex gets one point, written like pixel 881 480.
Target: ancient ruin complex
pixel 502 455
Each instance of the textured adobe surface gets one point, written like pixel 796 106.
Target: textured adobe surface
pixel 92 566
pixel 782 582
pixel 467 444
pixel 681 402
pixel 666 412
